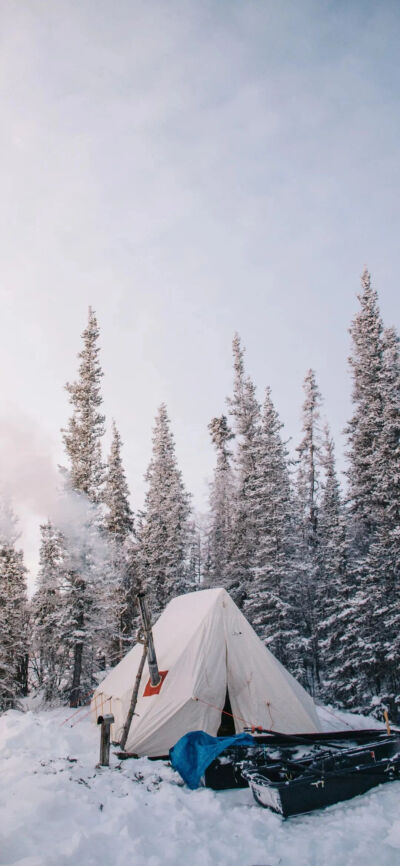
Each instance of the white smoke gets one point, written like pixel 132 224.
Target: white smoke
pixel 8 522
pixel 29 476
pixel 31 481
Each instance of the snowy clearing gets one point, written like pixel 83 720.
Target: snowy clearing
pixel 58 808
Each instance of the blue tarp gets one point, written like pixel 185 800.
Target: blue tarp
pixel 194 752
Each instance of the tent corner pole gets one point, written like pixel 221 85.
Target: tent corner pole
pixel 132 706
pixel 155 678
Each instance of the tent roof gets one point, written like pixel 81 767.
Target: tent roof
pixel 172 631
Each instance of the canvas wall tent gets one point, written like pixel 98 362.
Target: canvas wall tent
pixel 208 648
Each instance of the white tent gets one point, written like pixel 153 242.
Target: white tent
pixel 207 648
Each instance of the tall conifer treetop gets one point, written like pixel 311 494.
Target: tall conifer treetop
pixel 365 425
pixel 308 497
pixel 244 408
pixel 82 439
pixel 333 589
pixel 243 405
pixel 221 434
pixel 308 451
pixel 222 492
pixel 119 519
pixel 388 464
pixel 270 592
pixel 120 586
pixel 371 627
pixel 83 434
pixel 165 531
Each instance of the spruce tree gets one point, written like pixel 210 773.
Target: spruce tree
pixel 219 534
pixel 49 660
pixel 365 611
pixel 13 613
pixel 334 585
pixel 83 434
pixel 365 426
pixel 308 485
pixel 118 525
pixel 83 613
pixel 195 569
pixel 385 548
pixel 118 520
pixel 271 592
pixel 245 411
pixel 164 532
pixel 82 439
pixel 388 462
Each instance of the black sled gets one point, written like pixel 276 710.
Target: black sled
pixel 292 787
pixel 290 756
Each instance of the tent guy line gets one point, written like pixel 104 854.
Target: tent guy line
pixel 231 715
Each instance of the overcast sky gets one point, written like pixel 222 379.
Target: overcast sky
pixel 189 169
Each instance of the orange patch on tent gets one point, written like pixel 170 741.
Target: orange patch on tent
pixel 154 690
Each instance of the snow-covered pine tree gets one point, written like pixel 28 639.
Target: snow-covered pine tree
pixel 334 585
pixel 195 555
pixel 82 439
pixel 83 434
pixel 245 410
pixel 308 484
pixel 271 592
pixel 365 427
pixel 118 525
pixel 164 534
pixel 84 618
pixel 49 653
pixel 222 489
pixel 388 462
pixel 365 619
pixel 118 520
pixel 13 613
pixel 385 548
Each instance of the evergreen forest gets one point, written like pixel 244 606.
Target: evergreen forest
pixel 313 563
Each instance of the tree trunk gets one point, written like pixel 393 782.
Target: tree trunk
pixel 74 700
pixel 22 674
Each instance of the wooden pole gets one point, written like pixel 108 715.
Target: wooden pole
pixel 387 723
pixel 152 658
pixel 132 707
pixel 105 722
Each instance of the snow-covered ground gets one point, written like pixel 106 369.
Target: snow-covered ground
pixel 57 808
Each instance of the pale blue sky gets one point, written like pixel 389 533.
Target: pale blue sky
pixel 190 169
